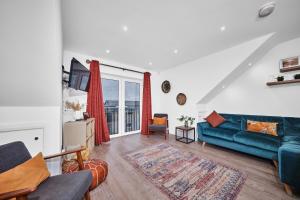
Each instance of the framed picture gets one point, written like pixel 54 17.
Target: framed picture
pixel 289 64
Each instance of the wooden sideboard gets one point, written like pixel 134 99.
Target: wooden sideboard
pixel 79 133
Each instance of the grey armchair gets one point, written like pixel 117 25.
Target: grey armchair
pixel 159 128
pixel 73 186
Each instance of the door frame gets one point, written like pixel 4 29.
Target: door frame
pixel 121 110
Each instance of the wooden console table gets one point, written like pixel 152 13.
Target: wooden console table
pixel 79 133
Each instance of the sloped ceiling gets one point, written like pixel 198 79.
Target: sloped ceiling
pixel 156 28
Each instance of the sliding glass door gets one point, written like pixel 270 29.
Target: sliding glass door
pixel 122 103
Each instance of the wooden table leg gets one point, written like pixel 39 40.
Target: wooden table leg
pixel 288 189
pixel 87 195
pixel 194 135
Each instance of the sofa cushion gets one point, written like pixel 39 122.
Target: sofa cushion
pixel 153 127
pixel 66 187
pixel 232 121
pixel 291 126
pixel 225 134
pixel 230 125
pixel 258 140
pixel 290 140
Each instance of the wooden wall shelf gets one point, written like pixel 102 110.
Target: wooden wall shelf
pixel 288 69
pixel 283 82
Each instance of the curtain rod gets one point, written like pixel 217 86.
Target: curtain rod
pixel 122 68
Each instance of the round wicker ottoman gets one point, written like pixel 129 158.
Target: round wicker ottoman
pixel 99 169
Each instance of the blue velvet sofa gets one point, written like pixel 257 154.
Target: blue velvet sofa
pixel 284 149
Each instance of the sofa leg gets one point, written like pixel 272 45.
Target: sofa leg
pixel 87 196
pixel 203 145
pixel 275 164
pixel 276 167
pixel 288 189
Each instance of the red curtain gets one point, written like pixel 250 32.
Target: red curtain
pixel 147 107
pixel 95 106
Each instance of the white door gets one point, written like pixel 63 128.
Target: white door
pixel 122 103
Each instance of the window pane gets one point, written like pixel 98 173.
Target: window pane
pixel 111 103
pixel 132 106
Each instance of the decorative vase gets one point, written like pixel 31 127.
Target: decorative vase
pixel 186 123
pixel 78 115
pixel 280 78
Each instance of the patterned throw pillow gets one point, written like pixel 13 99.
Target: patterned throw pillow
pixel 214 119
pixel 159 121
pixel 269 128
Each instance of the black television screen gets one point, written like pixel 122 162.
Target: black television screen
pixel 79 76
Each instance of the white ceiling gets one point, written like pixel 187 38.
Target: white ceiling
pixel 157 27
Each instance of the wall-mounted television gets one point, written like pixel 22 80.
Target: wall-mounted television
pixel 79 76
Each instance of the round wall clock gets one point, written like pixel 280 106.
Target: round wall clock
pixel 181 99
pixel 166 86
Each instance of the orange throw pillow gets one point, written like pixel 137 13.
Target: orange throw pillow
pixel 159 121
pixel 26 175
pixel 214 119
pixel 269 128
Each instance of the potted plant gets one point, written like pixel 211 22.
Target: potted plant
pixel 186 120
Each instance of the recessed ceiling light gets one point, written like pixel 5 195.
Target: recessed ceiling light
pixel 175 51
pixel 107 51
pixel 223 86
pixel 250 64
pixel 125 28
pixel 150 63
pixel 222 28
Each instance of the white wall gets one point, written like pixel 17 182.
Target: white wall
pixel 30 69
pixel 249 94
pixel 197 78
pixel 81 96
pixel 49 118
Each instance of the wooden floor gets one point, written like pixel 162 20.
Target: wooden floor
pixel 125 182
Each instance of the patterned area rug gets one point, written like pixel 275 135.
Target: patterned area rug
pixel 183 175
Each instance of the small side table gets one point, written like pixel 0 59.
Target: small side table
pixel 185 134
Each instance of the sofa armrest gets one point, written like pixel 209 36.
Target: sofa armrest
pixel 200 128
pixel 289 163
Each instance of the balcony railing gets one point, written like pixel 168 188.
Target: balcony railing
pixel 132 119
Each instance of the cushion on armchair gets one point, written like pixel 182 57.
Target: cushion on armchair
pixel 153 127
pixel 66 186
pixel 26 175
pixel 13 154
pixel 159 121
